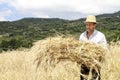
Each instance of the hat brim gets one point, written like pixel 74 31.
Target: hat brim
pixel 90 21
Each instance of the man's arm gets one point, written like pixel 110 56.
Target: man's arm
pixel 104 42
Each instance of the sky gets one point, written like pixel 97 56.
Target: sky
pixel 11 10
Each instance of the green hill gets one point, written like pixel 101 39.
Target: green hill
pixel 22 33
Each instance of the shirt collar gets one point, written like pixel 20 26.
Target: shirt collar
pixel 95 31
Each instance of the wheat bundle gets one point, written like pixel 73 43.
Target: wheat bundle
pixel 62 56
pixel 52 50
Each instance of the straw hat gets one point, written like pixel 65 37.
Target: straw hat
pixel 91 18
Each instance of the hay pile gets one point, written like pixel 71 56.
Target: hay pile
pixel 57 52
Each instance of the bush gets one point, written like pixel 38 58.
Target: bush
pixel 15 44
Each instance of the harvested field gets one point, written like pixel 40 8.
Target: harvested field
pixel 59 58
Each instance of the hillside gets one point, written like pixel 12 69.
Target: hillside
pixel 22 33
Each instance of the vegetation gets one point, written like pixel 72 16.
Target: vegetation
pixel 24 32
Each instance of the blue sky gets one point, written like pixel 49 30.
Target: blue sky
pixel 8 12
pixel 11 10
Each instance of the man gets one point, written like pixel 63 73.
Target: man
pixel 91 35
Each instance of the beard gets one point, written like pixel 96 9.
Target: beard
pixel 89 30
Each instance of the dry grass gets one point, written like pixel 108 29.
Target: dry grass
pixel 110 69
pixel 58 59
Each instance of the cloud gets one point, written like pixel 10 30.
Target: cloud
pixel 40 15
pixel 83 6
pixel 4 13
pixel 70 9
pixel 2 18
pixel 1 1
pixel 108 6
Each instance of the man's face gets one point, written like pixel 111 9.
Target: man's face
pixel 90 26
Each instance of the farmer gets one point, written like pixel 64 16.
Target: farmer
pixel 91 35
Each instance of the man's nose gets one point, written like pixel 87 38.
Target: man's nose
pixel 87 26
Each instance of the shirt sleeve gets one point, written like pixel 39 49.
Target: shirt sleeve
pixel 104 42
pixel 81 37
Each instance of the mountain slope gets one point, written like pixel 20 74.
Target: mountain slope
pixel 22 33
